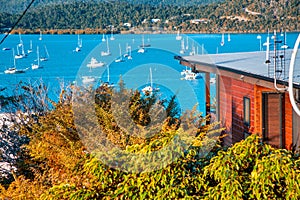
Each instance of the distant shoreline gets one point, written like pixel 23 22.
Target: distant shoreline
pixel 96 31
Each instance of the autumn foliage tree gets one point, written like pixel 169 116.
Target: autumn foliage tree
pixel 58 164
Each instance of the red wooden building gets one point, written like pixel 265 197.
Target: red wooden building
pixel 251 95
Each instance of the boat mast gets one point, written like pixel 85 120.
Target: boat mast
pixel 38 55
pixel 107 45
pixel 108 74
pixel 14 57
pixel 151 84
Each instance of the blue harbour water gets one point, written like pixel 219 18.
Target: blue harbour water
pixel 66 66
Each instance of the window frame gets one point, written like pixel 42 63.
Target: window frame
pixel 246 111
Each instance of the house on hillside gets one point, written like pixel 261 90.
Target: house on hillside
pixel 251 95
pixel 155 20
pixel 197 21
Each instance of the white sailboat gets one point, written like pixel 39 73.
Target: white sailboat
pixel 22 53
pixel 192 76
pixel 143 45
pixel 182 50
pixel 41 36
pixel 108 83
pixel 18 55
pixel 13 69
pixel 189 75
pixel 30 47
pixel 36 66
pixel 94 63
pixel 79 44
pixel 187 43
pixel 46 56
pixel 128 52
pixel 107 52
pixel 178 36
pixel 141 50
pixel 103 38
pixel 267 44
pixel 284 46
pixel 193 51
pixel 228 37
pixel 129 57
pixel 112 34
pixel 21 41
pixel 149 89
pixel 222 40
pixel 120 59
pixel 88 79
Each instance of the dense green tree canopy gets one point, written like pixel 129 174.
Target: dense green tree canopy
pixel 239 16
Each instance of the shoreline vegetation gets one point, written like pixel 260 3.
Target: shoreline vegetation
pixel 103 31
pixel 122 17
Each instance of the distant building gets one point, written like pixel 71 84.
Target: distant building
pixel 197 21
pixel 127 24
pixel 247 101
pixel 155 20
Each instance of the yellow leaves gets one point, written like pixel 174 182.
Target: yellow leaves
pixel 22 188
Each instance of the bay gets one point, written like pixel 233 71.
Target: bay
pixel 67 66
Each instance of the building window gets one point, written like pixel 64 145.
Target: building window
pixel 246 111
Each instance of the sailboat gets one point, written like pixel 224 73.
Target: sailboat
pixel 143 45
pixel 46 56
pixel 284 46
pixel 112 34
pixel 222 41
pixel 129 57
pixel 41 37
pixel 22 54
pixel 37 66
pixel 193 52
pixel 188 74
pixel 14 70
pixel 107 52
pixel 79 44
pixel 182 47
pixel 178 36
pixel 267 44
pixel 228 37
pixel 127 51
pixel 30 47
pixel 108 83
pixel 103 38
pixel 94 63
pixel 187 43
pixel 120 59
pixel 149 89
pixel 21 41
pixel 88 79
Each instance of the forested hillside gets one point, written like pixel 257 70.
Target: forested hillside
pixel 100 16
pixel 16 6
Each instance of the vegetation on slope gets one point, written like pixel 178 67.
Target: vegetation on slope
pixel 55 163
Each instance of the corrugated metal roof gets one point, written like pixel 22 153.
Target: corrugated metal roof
pixel 252 62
